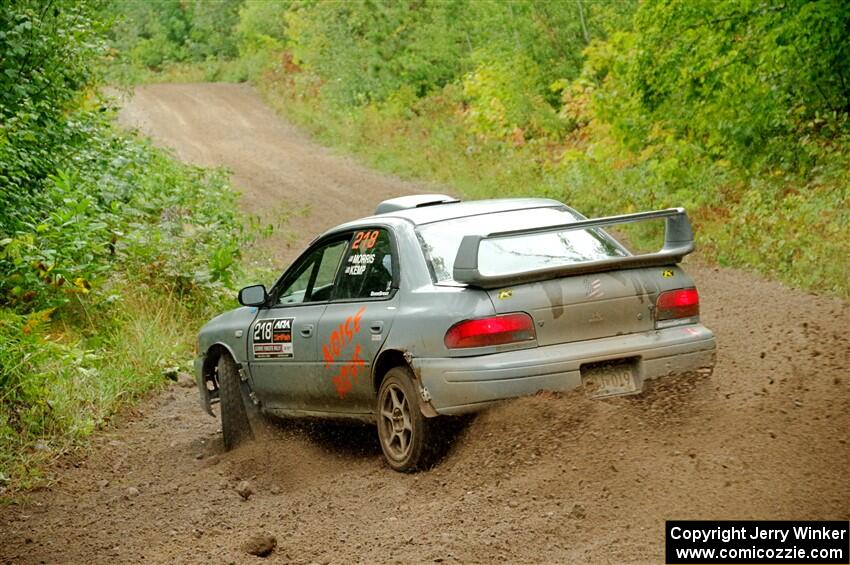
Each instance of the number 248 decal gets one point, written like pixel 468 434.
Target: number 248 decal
pixel 367 238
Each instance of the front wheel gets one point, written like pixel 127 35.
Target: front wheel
pixel 236 407
pixel 408 439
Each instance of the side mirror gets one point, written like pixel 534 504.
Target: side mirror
pixel 254 295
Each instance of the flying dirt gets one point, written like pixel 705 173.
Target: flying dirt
pixel 550 478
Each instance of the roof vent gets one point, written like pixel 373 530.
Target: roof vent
pixel 413 201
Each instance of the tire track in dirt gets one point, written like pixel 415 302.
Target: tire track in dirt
pixel 553 478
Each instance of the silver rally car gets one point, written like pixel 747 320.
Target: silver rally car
pixel 434 307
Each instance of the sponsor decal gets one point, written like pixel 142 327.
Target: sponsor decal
pixel 593 288
pixel 505 293
pixel 348 373
pixel 339 339
pixel 358 262
pixel 272 339
pixel 341 336
pixel 667 273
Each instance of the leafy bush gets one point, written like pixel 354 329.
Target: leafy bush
pixel 505 99
pixel 65 373
pixel 109 249
pixel 155 33
pixel 261 27
pixel 120 203
pixel 46 52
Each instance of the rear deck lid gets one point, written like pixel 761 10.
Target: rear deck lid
pixel 583 307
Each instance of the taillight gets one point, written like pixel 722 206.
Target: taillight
pixel 496 330
pixel 676 307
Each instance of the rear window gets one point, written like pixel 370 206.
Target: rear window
pixel 441 240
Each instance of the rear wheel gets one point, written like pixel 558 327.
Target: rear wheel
pixel 237 410
pixel 409 440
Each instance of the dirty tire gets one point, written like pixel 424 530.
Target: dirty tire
pixel 235 423
pixel 409 440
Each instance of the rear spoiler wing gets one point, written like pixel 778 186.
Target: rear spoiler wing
pixel 678 242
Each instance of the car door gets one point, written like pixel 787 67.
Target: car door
pixel 356 322
pixel 282 342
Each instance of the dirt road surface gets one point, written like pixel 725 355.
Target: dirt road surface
pixel 553 478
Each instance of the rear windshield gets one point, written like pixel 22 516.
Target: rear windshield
pixel 441 240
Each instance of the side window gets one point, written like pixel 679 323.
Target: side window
pixel 326 271
pixel 368 266
pixel 313 279
pixel 295 292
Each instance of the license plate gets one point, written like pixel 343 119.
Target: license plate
pixel 610 379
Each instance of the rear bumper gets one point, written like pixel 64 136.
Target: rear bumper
pixel 467 384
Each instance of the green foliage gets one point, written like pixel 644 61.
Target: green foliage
pixel 503 102
pixel 741 79
pixel 119 203
pixel 24 354
pixel 364 50
pixel 153 33
pixel 64 374
pixel 109 249
pixel 46 49
pixel 80 199
pixel 736 110
pixel 261 27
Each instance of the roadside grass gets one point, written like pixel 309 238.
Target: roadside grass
pixel 126 74
pixel 100 310
pixel 112 253
pixel 104 289
pixel 86 364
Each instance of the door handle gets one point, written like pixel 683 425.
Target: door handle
pixel 376 327
pixel 307 330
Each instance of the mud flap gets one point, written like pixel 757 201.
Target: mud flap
pixel 206 404
pixel 207 397
pixel 424 396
